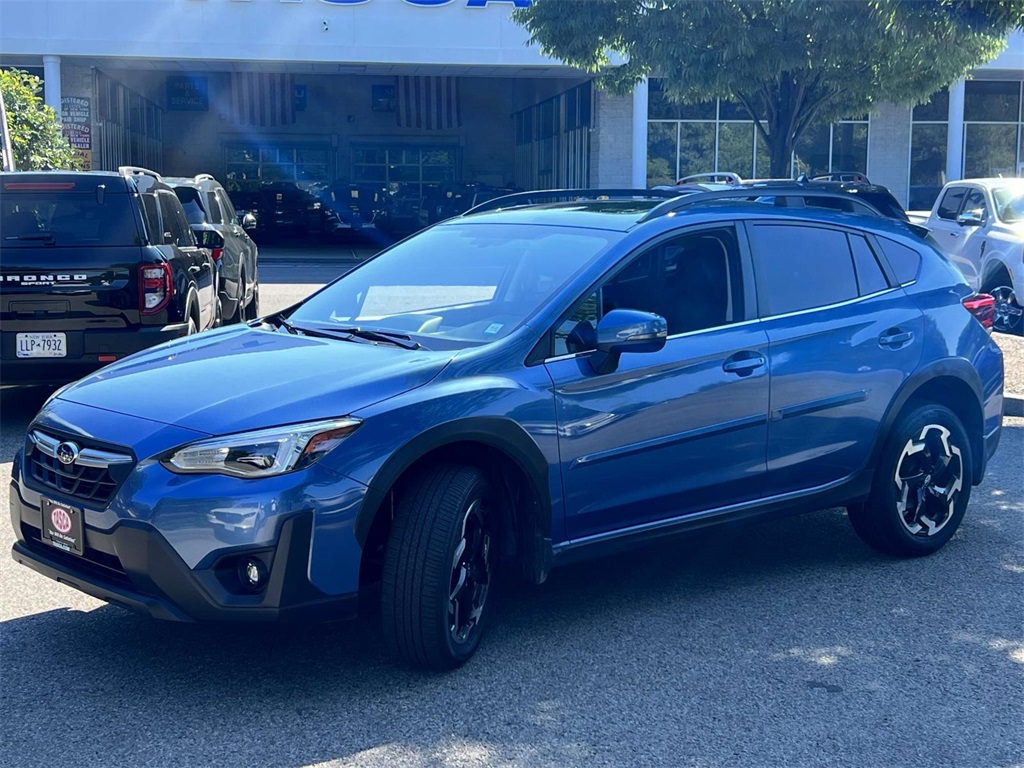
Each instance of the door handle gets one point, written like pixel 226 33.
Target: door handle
pixel 743 363
pixel 194 269
pixel 895 338
pixel 954 234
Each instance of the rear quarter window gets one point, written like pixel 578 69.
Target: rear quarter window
pixel 800 267
pixel 905 261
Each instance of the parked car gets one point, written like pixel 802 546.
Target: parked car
pixel 351 207
pixel 94 267
pixel 514 390
pixel 979 225
pixel 215 223
pixel 287 209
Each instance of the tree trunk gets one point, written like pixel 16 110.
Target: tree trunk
pixel 780 152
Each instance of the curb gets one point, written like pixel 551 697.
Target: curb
pixel 1013 404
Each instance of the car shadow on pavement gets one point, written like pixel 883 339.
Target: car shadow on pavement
pixel 753 602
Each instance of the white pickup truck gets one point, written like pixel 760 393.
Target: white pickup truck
pixel 979 225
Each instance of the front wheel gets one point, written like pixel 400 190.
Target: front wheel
pixel 439 568
pixel 921 486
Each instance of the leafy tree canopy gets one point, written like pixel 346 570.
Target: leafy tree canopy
pixel 36 137
pixel 788 62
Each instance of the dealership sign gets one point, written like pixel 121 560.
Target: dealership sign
pixel 435 3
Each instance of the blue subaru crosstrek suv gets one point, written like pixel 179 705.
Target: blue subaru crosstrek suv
pixel 511 390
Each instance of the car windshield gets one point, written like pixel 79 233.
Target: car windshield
pixel 1009 203
pixel 457 284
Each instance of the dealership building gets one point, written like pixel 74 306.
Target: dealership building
pixel 413 93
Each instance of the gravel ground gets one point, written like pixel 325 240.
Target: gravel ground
pixel 1013 362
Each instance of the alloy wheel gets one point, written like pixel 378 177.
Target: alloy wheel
pixel 1008 313
pixel 929 478
pixel 471 574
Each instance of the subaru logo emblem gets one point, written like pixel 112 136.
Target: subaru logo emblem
pixel 67 453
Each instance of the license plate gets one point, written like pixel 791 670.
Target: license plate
pixel 42 345
pixel 62 526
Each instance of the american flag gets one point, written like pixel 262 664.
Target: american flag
pixel 428 103
pixel 262 99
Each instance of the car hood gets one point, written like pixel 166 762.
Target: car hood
pixel 238 379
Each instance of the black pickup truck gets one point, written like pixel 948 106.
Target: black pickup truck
pixel 93 267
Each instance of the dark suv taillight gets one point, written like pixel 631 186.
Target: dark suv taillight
pixel 983 307
pixel 155 287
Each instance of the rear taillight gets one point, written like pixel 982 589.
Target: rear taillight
pixel 983 307
pixel 155 287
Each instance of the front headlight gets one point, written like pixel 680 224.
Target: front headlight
pixel 262 453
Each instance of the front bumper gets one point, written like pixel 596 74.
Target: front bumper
pixel 134 564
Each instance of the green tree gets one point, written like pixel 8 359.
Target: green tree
pixel 789 63
pixel 36 137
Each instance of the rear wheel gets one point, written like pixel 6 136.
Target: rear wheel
pixel 921 486
pixel 438 568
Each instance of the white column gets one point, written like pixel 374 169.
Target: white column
pixel 639 174
pixel 51 82
pixel 955 137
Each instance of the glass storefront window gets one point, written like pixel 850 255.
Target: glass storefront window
pixel 719 136
pixel 927 164
pixel 736 148
pixel 810 155
pixel 990 150
pixel 992 101
pixel 661 154
pixel 936 109
pixel 696 148
pixel 850 147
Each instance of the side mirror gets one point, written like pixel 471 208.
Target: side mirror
pixel 970 219
pixel 626 330
pixel 249 220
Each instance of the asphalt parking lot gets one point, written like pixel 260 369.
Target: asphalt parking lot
pixel 785 643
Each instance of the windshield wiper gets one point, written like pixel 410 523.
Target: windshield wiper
pixel 351 334
pixel 387 337
pixel 283 323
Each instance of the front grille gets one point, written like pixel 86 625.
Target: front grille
pixel 86 483
pixel 91 562
pixel 92 478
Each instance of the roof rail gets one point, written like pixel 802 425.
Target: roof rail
pixel 569 196
pixel 727 177
pixel 134 170
pixel 204 177
pixel 786 195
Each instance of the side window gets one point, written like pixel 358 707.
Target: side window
pixel 870 277
pixel 230 217
pixel 693 281
pixel 213 208
pixel 975 203
pixel 150 208
pixel 176 228
pixel 949 208
pixel 905 262
pixel 802 267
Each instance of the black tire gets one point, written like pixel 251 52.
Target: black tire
pixel 1009 315
pixel 922 485
pixel 250 311
pixel 423 624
